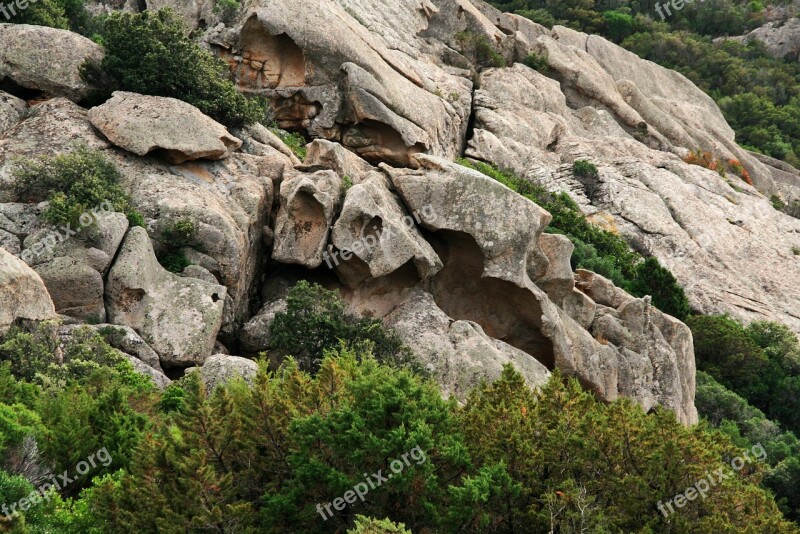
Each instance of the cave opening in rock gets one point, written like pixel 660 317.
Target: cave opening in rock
pixel 505 311
pixel 269 61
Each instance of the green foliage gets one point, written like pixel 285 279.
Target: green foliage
pixel 174 262
pixel 150 53
pixel 760 362
pixel 136 219
pixel 368 525
pixel 295 142
pixel 315 321
pixel 74 184
pixel 596 249
pixel 180 233
pixel 263 458
pixel 479 51
pixel 537 63
pixel 29 353
pixel 62 14
pixel 584 169
pixel 618 25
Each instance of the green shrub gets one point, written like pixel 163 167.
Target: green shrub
pixel 537 63
pixel 479 50
pixel 174 262
pixel 180 233
pixel 369 525
pixel 584 169
pixel 74 184
pixel 294 141
pixel 29 353
pixel 136 219
pixel 315 321
pixel 150 53
pixel 62 14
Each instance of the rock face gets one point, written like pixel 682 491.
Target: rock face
pixel 724 242
pixel 143 124
pixel 308 206
pixel 178 317
pixel 458 354
pixel 222 368
pixel 330 75
pixel 46 59
pixel 457 263
pixel 22 293
pixel 780 39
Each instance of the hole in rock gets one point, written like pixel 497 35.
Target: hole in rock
pixel 505 311
pixel 310 224
pixel 269 61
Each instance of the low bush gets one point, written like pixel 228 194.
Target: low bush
pixel 315 321
pixel 479 50
pixel 295 142
pixel 150 53
pixel 74 184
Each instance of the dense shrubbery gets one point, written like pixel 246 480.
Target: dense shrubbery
pixel 150 53
pixel 747 426
pixel 261 458
pixel 73 184
pixel 62 14
pixel 760 362
pixel 315 320
pixel 595 248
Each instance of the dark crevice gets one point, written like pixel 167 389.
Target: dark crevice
pixel 9 86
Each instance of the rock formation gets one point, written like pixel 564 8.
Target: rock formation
pixel 458 264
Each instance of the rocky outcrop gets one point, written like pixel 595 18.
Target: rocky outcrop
pixel 458 354
pixel 177 130
pixel 12 109
pixel 46 60
pixel 23 295
pixel 722 239
pixel 222 368
pixel 328 74
pixel 178 317
pixel 308 206
pixel 781 39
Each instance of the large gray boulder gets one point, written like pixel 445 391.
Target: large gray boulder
pixel 178 317
pixel 143 124
pixel 377 229
pixel 458 354
pixel 221 368
pixel 23 295
pixel 46 59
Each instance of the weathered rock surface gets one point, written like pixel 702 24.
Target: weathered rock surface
pixel 255 334
pixel 458 354
pixel 308 206
pixel 727 246
pixel 178 317
pixel 222 368
pixel 144 124
pixel 46 59
pixel 781 39
pixel 12 109
pixel 22 293
pixel 330 75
